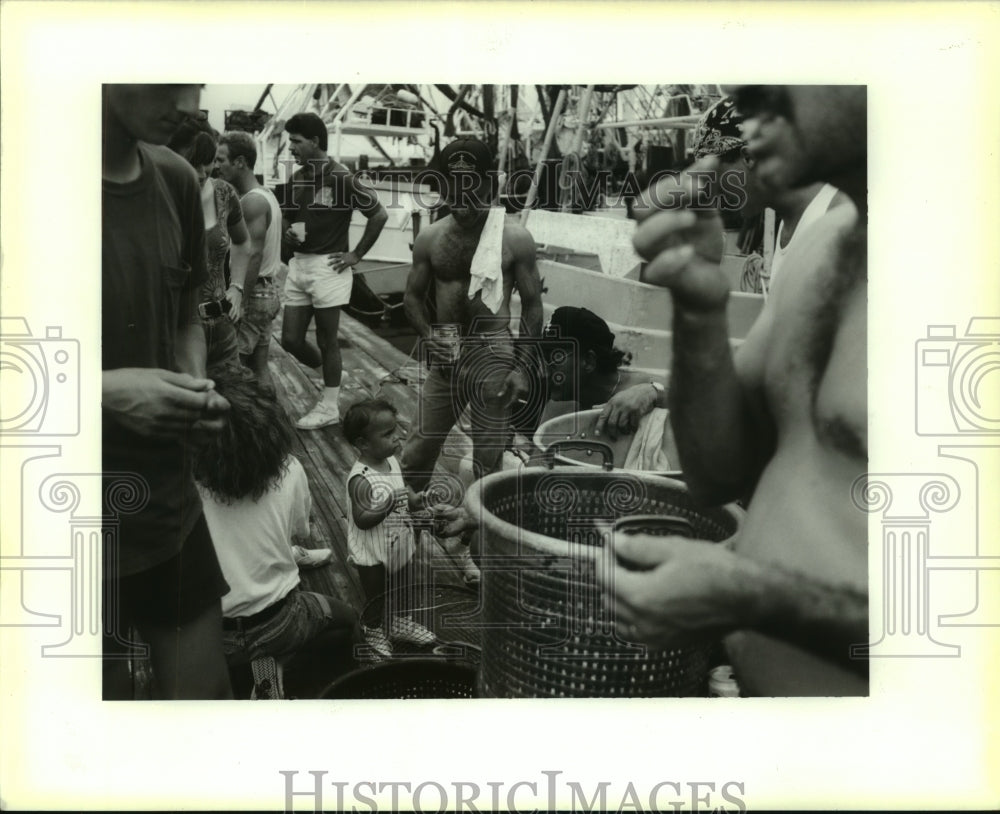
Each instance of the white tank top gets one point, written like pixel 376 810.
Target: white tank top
pixel 271 259
pixel 813 212
pixel 391 542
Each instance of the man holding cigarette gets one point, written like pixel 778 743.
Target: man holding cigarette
pixel 318 202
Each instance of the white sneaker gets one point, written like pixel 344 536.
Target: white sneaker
pixel 402 629
pixel 376 639
pixel 470 571
pixel 311 557
pixel 322 415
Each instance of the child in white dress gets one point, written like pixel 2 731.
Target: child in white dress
pixel 380 535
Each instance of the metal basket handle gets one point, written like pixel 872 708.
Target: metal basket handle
pixel 658 525
pixel 590 447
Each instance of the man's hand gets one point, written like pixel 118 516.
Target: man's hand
pixel 292 239
pixel 213 416
pixel 162 404
pixel 452 521
pixel 339 261
pixel 624 410
pixel 235 297
pixel 674 589
pixel 680 234
pixel 515 387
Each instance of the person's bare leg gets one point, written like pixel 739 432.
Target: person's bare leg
pixel 294 325
pixel 327 325
pixel 188 661
pixel 257 362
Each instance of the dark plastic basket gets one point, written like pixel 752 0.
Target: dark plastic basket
pixel 548 633
pixel 407 678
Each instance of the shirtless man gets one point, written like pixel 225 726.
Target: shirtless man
pixel 486 375
pixel 786 419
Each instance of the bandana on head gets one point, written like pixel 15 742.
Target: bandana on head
pixel 719 130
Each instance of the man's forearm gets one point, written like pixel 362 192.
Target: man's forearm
pixel 252 267
pixel 417 314
pixel 824 619
pixel 190 349
pixel 709 410
pixel 373 228
pixel 532 318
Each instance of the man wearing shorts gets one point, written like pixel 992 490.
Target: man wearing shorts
pixel 161 574
pixel 235 159
pixel 320 198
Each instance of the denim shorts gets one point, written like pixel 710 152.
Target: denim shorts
pixel 303 616
pixel 260 307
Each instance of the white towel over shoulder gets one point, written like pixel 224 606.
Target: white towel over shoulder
pixel 487 262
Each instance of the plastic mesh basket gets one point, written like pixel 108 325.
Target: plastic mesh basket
pixel 548 633
pixel 407 678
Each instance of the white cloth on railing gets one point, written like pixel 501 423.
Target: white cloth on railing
pixel 486 268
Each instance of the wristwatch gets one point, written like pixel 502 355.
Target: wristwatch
pixel 659 388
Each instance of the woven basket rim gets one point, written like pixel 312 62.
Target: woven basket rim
pixel 491 523
pixel 400 665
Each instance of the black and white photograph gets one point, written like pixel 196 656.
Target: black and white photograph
pixel 509 422
pixel 486 391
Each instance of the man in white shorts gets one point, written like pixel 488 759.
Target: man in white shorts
pixel 319 200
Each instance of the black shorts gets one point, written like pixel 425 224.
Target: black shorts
pixel 172 593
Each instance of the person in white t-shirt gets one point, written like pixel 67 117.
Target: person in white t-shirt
pixel 257 502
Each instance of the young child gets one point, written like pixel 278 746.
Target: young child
pixel 380 537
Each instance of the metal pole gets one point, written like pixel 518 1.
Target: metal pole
pixel 677 122
pixel 549 134
pixel 577 144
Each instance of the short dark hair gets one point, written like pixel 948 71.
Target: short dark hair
pixel 249 456
pixel 240 145
pixel 308 125
pixel 196 140
pixel 359 416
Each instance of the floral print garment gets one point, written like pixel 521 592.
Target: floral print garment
pixel 228 214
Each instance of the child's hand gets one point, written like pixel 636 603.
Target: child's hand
pixel 417 500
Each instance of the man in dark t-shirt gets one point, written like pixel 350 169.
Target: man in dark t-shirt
pixel 316 205
pixel 161 572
